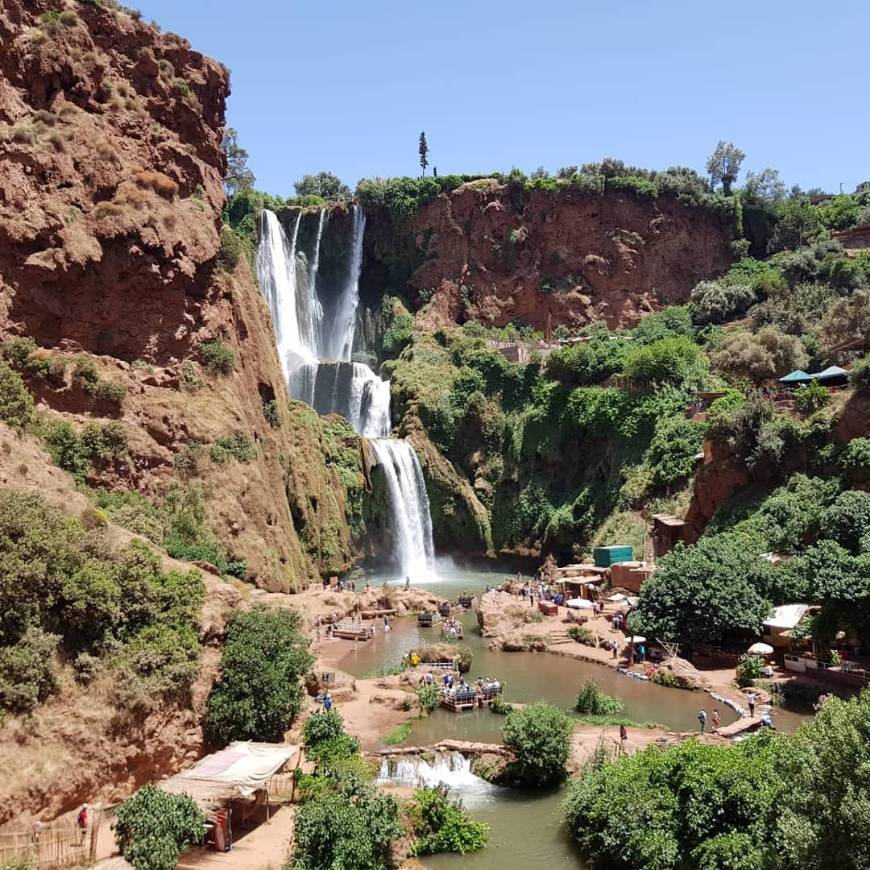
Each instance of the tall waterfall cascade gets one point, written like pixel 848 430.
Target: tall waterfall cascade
pixel 315 338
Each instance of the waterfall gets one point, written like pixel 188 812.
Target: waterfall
pixel 447 768
pixel 409 505
pixel 315 334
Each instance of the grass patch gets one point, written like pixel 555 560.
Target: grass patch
pixel 606 719
pixel 398 735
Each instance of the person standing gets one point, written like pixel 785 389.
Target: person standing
pixel 82 821
pixel 750 700
pixel 327 703
pixel 623 737
pixel 407 583
pixel 715 720
pixel 702 720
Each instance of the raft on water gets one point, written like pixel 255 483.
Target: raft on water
pixel 351 631
pixel 427 618
pixel 469 696
pixel 452 632
pixel 466 599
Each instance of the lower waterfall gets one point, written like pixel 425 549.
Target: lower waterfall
pixel 409 507
pixel 447 768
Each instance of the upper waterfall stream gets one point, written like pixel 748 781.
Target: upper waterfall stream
pixel 314 332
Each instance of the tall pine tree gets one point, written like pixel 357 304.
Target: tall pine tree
pixel 423 149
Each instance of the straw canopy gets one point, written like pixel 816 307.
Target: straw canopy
pixel 760 649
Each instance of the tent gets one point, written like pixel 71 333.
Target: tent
pixel 238 771
pixel 796 377
pixel 832 376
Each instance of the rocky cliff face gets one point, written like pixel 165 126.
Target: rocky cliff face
pixel 111 193
pixel 487 252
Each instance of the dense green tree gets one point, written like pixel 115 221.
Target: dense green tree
pixel 703 593
pixel 672 453
pixel 238 177
pixel 761 356
pixel 259 691
pixel 723 165
pixel 349 826
pixel 154 828
pixel 676 360
pixel 848 320
pixel 797 223
pixel 825 771
pixel 717 301
pixel 764 187
pixel 442 825
pixel 539 736
pixel 326 185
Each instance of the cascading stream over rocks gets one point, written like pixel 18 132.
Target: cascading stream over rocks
pixel 314 333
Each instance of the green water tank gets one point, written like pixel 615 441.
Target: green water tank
pixel 604 557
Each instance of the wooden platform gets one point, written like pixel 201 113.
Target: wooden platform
pixel 351 631
pixel 741 726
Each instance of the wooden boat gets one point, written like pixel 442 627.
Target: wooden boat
pixel 444 608
pixel 452 631
pixel 459 698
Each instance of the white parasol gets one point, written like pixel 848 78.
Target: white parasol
pixel 579 603
pixel 760 649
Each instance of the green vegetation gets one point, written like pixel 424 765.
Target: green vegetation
pixel 427 697
pixel 326 742
pixel 217 358
pixel 398 735
pixel 769 802
pixel 263 659
pixel 582 635
pixel 236 447
pixel 592 701
pixel 154 828
pixel 65 588
pixel 16 403
pixel 442 825
pixel 80 451
pixel 539 736
pixel 345 823
pixel 324 185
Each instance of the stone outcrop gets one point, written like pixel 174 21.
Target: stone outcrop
pixel 111 194
pixel 486 252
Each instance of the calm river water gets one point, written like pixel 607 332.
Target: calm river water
pixel 525 827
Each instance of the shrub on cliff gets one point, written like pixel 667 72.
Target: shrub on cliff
pixel 232 249
pixel 16 403
pixel 154 828
pixel 326 742
pixel 27 674
pixel 671 455
pixel 678 361
pixel 236 447
pixel 539 736
pixel 762 356
pixel 717 301
pixel 263 660
pixel 442 825
pixel 217 357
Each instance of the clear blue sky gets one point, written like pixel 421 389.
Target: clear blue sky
pixel 347 85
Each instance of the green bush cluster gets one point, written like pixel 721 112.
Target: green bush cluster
pixel 593 702
pixel 442 825
pixel 427 697
pixel 539 735
pixel 217 358
pixel 264 657
pixel 236 447
pixel 63 586
pixel 327 744
pixel 154 828
pixel 769 802
pixel 16 403
pixel 80 451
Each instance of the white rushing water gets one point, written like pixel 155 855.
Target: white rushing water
pixel 447 768
pixel 315 344
pixel 409 507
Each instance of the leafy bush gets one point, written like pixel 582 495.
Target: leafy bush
pixel 427 697
pixel 671 455
pixel 539 736
pixel 847 521
pixel 442 825
pixel 717 301
pixel 232 249
pixel 748 670
pixel 326 742
pixel 676 360
pixel 350 825
pixel 856 454
pixel 272 414
pixel 767 354
pixel 592 701
pixel 811 397
pixel 582 635
pixel 859 376
pixel 26 671
pixel 154 828
pixel 108 391
pixel 228 447
pixel 217 357
pixel 263 659
pixel 16 403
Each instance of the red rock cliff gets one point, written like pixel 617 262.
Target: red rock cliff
pixel 111 193
pixel 483 252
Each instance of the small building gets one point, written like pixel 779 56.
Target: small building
pixel 631 575
pixel 777 628
pixel 667 530
pixel 604 557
